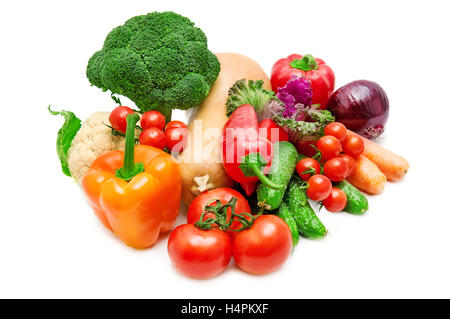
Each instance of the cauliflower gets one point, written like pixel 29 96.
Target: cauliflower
pixel 92 140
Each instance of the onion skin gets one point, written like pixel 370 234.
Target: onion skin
pixel 362 106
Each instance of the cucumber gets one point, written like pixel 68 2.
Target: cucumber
pixel 283 167
pixel 357 203
pixel 308 224
pixel 285 214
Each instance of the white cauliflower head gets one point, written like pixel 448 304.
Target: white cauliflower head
pixel 92 140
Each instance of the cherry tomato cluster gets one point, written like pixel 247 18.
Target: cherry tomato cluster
pixel 260 248
pixel 155 132
pixel 337 152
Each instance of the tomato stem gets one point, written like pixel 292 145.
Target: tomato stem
pixel 220 216
pixel 309 170
pixel 118 133
pixel 318 154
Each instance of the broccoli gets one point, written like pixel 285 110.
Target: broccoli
pixel 159 61
pixel 249 92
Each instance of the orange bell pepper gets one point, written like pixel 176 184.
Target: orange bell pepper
pixel 135 200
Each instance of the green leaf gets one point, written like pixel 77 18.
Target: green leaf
pixel 65 136
pixel 323 117
pixel 248 92
pixel 299 129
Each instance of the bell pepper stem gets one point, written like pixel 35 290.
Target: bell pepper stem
pixel 263 178
pixel 306 63
pixel 130 168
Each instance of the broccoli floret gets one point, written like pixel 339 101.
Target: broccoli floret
pixel 159 60
pixel 249 92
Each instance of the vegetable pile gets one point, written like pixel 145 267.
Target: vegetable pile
pixel 257 161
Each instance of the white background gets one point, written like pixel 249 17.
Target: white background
pixel 51 244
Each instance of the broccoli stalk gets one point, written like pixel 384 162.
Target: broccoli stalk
pixel 160 61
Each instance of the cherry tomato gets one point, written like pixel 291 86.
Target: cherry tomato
pixel 319 187
pixel 272 131
pixel 351 163
pixel 154 137
pixel 176 138
pixel 353 145
pixel 329 146
pixel 336 129
pixel 335 169
pixel 153 119
pixel 199 253
pixel 305 146
pixel 336 201
pixel 264 247
pixel 307 164
pixel 173 124
pixel 224 195
pixel 118 118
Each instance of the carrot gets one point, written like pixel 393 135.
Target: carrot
pixel 367 176
pixel 392 165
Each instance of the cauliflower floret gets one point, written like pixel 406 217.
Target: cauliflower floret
pixel 92 140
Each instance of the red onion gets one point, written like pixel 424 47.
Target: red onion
pixel 362 106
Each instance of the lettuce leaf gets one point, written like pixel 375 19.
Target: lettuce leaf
pixel 65 136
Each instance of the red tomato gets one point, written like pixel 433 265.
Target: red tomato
pixel 336 201
pixel 264 247
pixel 351 163
pixel 224 195
pixel 272 131
pixel 335 169
pixel 305 146
pixel 353 145
pixel 118 118
pixel 173 124
pixel 336 129
pixel 319 187
pixel 153 119
pixel 329 146
pixel 307 164
pixel 176 139
pixel 154 137
pixel 199 253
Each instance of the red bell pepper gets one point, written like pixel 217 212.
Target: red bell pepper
pixel 313 69
pixel 246 155
pixel 249 188
pixel 273 132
